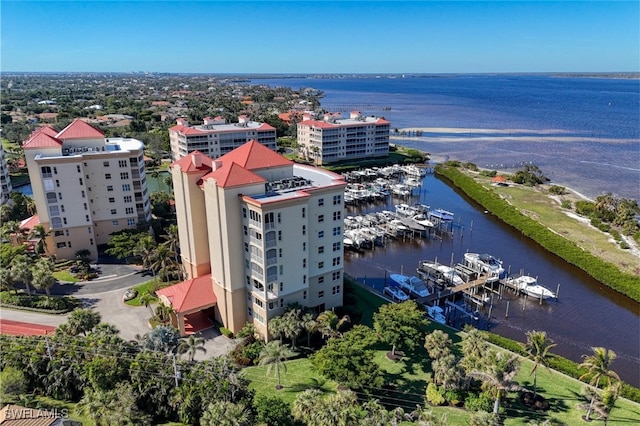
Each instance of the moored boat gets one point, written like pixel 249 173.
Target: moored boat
pixel 529 286
pixel 486 264
pixel 436 313
pixel 414 285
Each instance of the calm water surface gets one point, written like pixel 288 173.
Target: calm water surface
pixel 586 313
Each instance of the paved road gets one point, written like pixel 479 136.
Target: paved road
pixel 104 295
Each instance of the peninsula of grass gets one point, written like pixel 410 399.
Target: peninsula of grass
pixel 146 287
pixel 603 271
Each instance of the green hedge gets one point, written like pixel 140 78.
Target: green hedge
pixel 36 303
pixel 605 272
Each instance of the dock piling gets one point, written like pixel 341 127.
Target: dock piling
pixel 506 313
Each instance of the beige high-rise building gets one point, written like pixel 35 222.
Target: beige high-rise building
pixel 216 137
pixel 5 179
pixel 335 139
pixel 85 186
pixel 267 230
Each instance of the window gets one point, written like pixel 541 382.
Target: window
pixel 46 171
pixel 60 194
pixel 56 222
pixel 304 263
pixel 126 187
pixel 320 249
pixel 109 188
pixel 81 181
pixel 128 199
pixel 279 218
pixel 51 198
pixel 85 206
pixel 91 241
pixel 281 286
pixel 337 231
pixel 320 280
pixel 86 216
pixel 304 212
pixel 114 211
pixel 304 295
pixel 281 303
pixel 244 212
pixel 69 244
pixel 304 279
pixel 89 229
pixel 107 175
pixel 122 163
pixel 321 218
pixel 114 222
pixel 337 215
pixel 64 220
pixel 337 246
pixel 304 230
pixel 335 290
pixel 246 247
pixel 337 199
pixel 60 245
pixel 124 175
pixel 320 265
pixel 336 275
pixel 279 252
pixel 259 302
pixel 320 202
pixel 304 246
pixel 336 261
pixel 112 199
pixel 105 163
pixel 83 194
pixel 131 222
pixel 320 294
pixel 128 210
pixel 279 235
pixel 55 170
pixel 78 167
pixel 320 234
pixel 245 230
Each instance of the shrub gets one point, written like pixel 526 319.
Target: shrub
pixel 434 397
pixel 566 204
pixel 252 350
pixel 479 402
pixel 454 396
pixel 557 190
pixel 489 173
pixel 226 332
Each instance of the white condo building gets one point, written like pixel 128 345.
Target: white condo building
pixel 336 139
pixel 262 231
pixel 5 179
pixel 216 137
pixel 85 186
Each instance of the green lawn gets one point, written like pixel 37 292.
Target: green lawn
pixel 148 286
pixel 65 275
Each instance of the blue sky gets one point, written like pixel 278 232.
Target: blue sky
pixel 320 36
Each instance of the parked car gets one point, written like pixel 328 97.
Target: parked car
pixel 396 294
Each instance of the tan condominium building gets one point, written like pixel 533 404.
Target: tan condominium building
pixel 5 179
pixel 335 139
pixel 85 186
pixel 216 137
pixel 267 231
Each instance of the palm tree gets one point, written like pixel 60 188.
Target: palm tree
pixel 538 347
pixel 162 261
pixel 305 405
pixel 310 325
pixel 39 233
pixel 43 278
pixel 474 347
pixel 224 413
pixel 7 280
pixel 438 344
pixel 273 356
pixel 145 248
pixel 171 238
pixel 598 368
pixel 330 324
pixel 276 327
pixel 446 371
pixel 21 270
pixel 191 346
pixel 498 373
pixel 146 299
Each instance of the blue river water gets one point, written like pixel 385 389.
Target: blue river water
pixel 582 133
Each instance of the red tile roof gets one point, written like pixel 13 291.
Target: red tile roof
pixel 255 156
pixel 30 222
pixel 186 130
pixel 318 123
pixel 265 126
pixel 196 293
pixel 48 130
pixel 232 174
pixel 41 139
pixel 194 162
pixel 78 129
pixel 18 328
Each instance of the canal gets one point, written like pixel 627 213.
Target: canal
pixel 586 313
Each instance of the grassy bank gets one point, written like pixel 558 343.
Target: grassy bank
pixel 605 272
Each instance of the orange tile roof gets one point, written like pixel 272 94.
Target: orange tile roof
pixel 190 294
pixel 41 139
pixel 186 130
pixel 318 123
pixel 78 129
pixel 254 156
pixel 49 131
pixel 232 174
pixel 187 164
pixel 19 328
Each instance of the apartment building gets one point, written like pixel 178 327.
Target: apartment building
pixel 85 186
pixel 267 231
pixel 216 137
pixel 335 139
pixel 5 180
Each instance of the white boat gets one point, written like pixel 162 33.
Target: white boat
pixel 436 313
pixel 401 190
pixel 486 264
pixel 529 286
pixel 395 293
pixel 406 210
pixel 441 215
pixel 413 285
pixel 422 220
pixel 450 276
pixel 413 182
pixel 442 274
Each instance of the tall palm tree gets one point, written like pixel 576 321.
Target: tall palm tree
pixel 145 248
pixel 273 356
pixel 21 270
pixel 43 278
pixel 538 347
pixel 598 366
pixel 171 238
pixel 498 374
pixel 39 233
pixel 276 327
pixel 310 325
pixel 162 261
pixel 191 346
pixel 146 299
pixel 330 324
pixel 438 344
